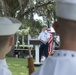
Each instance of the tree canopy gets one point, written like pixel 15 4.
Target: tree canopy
pixel 24 11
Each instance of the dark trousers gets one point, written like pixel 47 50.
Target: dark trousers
pixel 43 48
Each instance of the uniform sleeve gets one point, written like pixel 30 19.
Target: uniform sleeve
pixel 37 72
pixel 39 37
pixel 5 71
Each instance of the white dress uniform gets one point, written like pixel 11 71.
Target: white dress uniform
pixel 4 68
pixel 44 35
pixel 61 63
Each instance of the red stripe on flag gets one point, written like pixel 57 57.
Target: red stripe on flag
pixel 50 46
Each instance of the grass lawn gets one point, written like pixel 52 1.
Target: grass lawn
pixel 18 66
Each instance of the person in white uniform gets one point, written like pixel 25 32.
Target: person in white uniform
pixel 44 36
pixel 63 61
pixel 8 27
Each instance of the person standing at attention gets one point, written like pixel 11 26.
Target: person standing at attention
pixel 8 27
pixel 63 61
pixel 43 37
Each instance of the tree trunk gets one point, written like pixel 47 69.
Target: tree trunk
pixel 4 7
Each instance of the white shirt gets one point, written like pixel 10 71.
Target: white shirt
pixel 61 63
pixel 44 35
pixel 4 68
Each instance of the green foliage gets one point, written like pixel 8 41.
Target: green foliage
pixel 13 3
pixel 25 23
pixel 33 28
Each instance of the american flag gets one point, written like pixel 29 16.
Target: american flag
pixel 50 42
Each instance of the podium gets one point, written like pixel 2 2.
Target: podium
pixel 36 42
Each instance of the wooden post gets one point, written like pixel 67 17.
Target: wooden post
pixel 31 68
pixel 30 65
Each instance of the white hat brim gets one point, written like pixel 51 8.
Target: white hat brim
pixel 9 26
pixel 66 9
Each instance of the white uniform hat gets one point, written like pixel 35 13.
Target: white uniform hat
pixel 66 9
pixel 44 25
pixel 9 25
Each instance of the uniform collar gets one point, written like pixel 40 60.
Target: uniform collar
pixel 66 53
pixel 3 63
pixel 44 31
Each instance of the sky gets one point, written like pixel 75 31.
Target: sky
pixel 36 17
